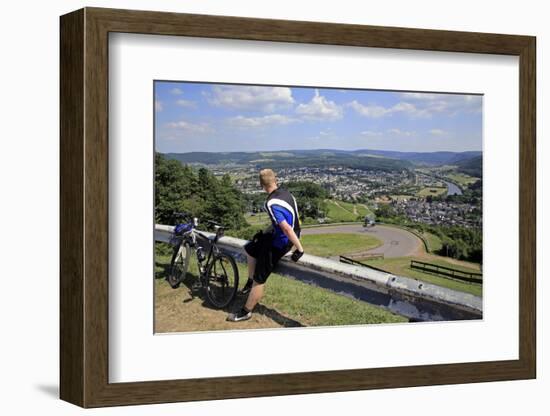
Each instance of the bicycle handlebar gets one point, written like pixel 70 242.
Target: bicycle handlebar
pixel 214 223
pixel 181 214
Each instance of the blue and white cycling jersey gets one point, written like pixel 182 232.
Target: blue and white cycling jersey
pixel 281 206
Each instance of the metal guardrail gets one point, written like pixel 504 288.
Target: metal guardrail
pixel 365 255
pixel 470 277
pixel 418 301
pixel 348 260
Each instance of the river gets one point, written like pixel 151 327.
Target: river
pixel 452 189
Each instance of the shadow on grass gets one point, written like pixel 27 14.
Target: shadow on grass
pixel 276 316
pixel 190 283
pixel 163 272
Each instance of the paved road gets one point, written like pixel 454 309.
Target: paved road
pixel 396 241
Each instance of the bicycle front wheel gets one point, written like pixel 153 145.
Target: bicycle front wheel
pixel 222 280
pixel 179 264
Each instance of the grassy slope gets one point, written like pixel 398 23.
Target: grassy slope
pixel 326 245
pixel 340 211
pixel 337 213
pixel 434 242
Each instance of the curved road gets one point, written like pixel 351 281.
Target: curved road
pixel 396 241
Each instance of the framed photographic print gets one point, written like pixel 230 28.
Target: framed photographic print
pixel 255 207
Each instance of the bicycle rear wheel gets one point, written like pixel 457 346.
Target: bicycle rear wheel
pixel 179 264
pixel 222 280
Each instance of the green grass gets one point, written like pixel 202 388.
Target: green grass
pixel 434 242
pixel 356 208
pixel 260 218
pixel 434 191
pixel 326 245
pixel 309 305
pixel 462 179
pixel 348 206
pixel 401 266
pixel 313 306
pixel 340 211
pixel 363 210
pixel 338 214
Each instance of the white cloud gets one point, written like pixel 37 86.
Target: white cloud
pixel 369 133
pixel 319 108
pixel 273 119
pixel 186 103
pixel 158 105
pixel 419 96
pixel 378 111
pixel 187 127
pixel 267 99
pixel 422 105
pixel 450 104
pixel 371 111
pixel 176 91
pixel 399 132
pixel 438 132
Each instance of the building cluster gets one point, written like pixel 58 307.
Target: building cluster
pixel 341 183
pixel 349 184
pixel 439 213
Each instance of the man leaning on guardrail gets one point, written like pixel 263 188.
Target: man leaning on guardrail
pixel 269 246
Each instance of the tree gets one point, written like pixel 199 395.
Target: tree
pixel 310 198
pixel 179 189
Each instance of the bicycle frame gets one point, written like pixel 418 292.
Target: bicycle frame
pixel 191 237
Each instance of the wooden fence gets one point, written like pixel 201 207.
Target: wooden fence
pixel 470 277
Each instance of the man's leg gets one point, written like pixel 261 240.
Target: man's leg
pixel 251 261
pixel 251 265
pixel 253 298
pixel 255 295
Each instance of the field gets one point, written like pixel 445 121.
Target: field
pixel 340 211
pixel 287 303
pixel 327 245
pixel 461 178
pixel 431 191
pixel 401 266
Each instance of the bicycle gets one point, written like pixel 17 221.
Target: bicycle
pixel 218 273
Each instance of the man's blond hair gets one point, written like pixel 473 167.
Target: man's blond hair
pixel 267 177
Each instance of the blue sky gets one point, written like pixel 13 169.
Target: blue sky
pixel 225 118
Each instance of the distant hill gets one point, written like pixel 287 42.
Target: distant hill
pixel 360 159
pixel 291 159
pixel 428 158
pixel 471 166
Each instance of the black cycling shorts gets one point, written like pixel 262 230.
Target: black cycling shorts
pixel 267 256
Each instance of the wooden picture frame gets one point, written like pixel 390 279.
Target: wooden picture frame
pixel 84 207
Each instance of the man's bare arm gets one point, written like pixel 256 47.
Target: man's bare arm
pixel 289 232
